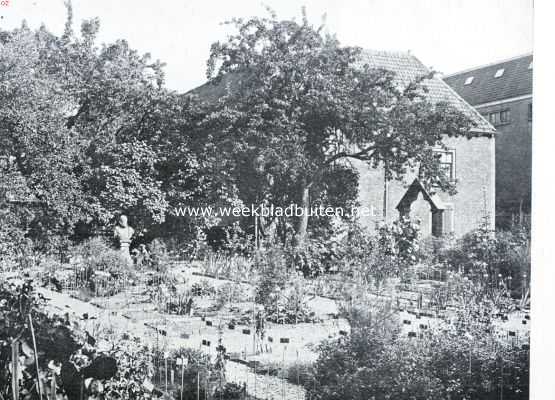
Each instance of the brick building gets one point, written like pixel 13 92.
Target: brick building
pixel 502 92
pixel 471 162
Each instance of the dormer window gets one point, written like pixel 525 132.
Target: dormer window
pixel 469 80
pixel 499 72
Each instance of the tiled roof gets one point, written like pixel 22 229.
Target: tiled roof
pixel 407 68
pixel 515 81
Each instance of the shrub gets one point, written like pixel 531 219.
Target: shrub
pixel 376 362
pixel 96 255
pixel 287 304
pixel 202 288
pixel 316 257
pixel 496 257
pixel 159 256
pixel 230 391
pixel 230 293
pixel 63 346
pixel 371 260
pixel 273 272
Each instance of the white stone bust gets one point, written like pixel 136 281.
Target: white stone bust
pixel 124 233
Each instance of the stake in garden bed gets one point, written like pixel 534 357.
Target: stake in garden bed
pixel 36 355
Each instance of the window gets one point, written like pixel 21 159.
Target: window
pixel 530 66
pixel 530 112
pixel 505 116
pixel 494 118
pixel 500 117
pixel 469 80
pixel 447 163
pixel 443 221
pixel 437 223
pixel 499 73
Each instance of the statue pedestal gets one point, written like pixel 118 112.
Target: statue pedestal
pixel 124 251
pixel 124 233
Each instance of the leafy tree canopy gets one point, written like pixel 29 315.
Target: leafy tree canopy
pixel 295 103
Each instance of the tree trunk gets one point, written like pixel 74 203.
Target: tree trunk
pixel 302 223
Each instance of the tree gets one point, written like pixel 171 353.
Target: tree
pixel 93 132
pixel 295 100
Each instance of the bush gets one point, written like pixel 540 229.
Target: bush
pixel 95 255
pixel 273 272
pixel 230 293
pixel 495 257
pixel 230 391
pixel 287 304
pixel 315 257
pixel 159 256
pixel 376 362
pixel 371 260
pixel 63 346
pixel 202 288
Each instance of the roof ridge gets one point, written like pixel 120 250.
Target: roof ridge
pixel 387 52
pixel 491 64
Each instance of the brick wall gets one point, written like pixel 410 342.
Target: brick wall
pixel 513 157
pixel 474 171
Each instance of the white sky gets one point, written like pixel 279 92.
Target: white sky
pixel 447 35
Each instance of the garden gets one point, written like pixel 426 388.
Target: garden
pixel 209 307
pixel 272 324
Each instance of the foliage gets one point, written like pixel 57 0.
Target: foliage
pixel 96 254
pixel 496 257
pixel 100 268
pixel 316 257
pixel 237 241
pixel 373 259
pixel 231 391
pixel 202 288
pixel 281 290
pixel 400 241
pixel 286 88
pixel 65 351
pixel 287 304
pixel 230 293
pixel 90 132
pixel 159 257
pixel 455 362
pixel 237 268
pixel 273 273
pixel 299 373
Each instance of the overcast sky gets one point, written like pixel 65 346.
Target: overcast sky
pixel 447 35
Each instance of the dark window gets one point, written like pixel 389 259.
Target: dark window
pixel 437 223
pixel 500 117
pixel 530 112
pixel 505 116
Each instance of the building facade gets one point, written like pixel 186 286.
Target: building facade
pixel 502 93
pixel 471 162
